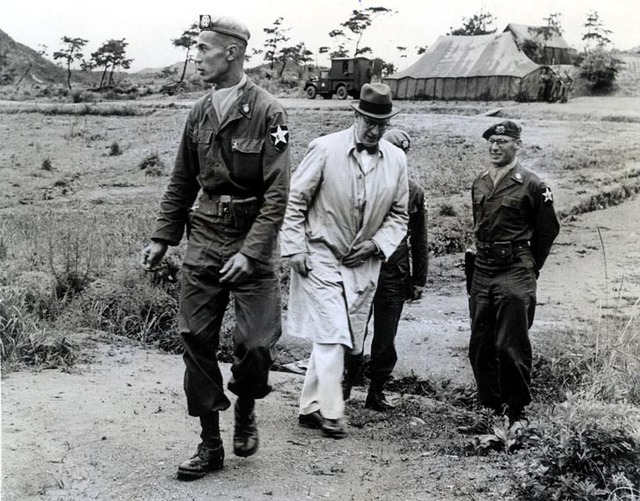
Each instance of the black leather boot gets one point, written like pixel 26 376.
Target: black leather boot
pixel 376 399
pixel 245 433
pixel 208 457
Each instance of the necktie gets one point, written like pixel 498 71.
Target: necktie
pixel 370 149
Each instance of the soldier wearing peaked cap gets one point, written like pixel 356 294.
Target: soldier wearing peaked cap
pixel 229 190
pixel 515 224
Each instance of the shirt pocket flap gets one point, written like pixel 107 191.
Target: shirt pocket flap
pixel 514 203
pixel 247 145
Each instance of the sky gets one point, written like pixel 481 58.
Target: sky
pixel 148 27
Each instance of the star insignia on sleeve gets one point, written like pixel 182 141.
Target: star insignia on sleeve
pixel 548 196
pixel 279 136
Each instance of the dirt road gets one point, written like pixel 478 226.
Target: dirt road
pixel 116 428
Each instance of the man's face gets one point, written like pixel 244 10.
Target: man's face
pixel 503 149
pixel 370 130
pixel 212 59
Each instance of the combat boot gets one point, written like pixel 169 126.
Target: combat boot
pixel 245 433
pixel 376 399
pixel 208 457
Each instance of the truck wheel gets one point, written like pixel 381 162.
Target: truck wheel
pixel 311 92
pixel 341 92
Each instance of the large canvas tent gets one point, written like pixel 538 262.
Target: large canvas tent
pixel 478 68
pixel 554 49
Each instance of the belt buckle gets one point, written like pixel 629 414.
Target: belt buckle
pixel 502 249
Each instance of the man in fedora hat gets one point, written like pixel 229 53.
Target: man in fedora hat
pixel 347 213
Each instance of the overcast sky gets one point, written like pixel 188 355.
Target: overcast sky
pixel 149 26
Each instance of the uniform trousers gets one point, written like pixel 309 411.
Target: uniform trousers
pixel 393 288
pixel 203 301
pixel 322 388
pixel 502 307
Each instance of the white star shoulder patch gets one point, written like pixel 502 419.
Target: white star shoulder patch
pixel 547 195
pixel 279 136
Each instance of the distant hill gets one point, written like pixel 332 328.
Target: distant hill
pixel 175 68
pixel 16 58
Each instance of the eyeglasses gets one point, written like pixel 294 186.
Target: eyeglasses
pixel 372 124
pixel 499 142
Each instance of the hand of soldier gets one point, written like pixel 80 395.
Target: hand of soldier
pixel 237 269
pixel 416 292
pixel 152 254
pixel 300 263
pixel 359 253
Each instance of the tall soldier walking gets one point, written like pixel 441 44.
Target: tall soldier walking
pixel 234 154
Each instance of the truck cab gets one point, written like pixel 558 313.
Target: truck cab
pixel 345 78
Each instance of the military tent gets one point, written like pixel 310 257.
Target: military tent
pixel 553 48
pixel 477 68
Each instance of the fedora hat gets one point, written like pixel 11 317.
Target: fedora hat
pixel 375 101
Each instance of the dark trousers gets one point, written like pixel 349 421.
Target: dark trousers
pixel 203 303
pixel 502 307
pixel 392 291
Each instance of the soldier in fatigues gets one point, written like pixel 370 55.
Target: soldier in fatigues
pixel 515 225
pixel 234 155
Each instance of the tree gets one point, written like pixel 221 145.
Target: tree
pixel 70 52
pixel 595 32
pixel 421 49
pixel 109 56
pixel 357 24
pixel 276 35
pixel 600 68
pixel 478 24
pixel 298 54
pixel 186 41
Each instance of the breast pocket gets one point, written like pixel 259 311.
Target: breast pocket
pixel 204 140
pixel 247 160
pixel 513 215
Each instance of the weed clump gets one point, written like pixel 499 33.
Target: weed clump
pixel 114 149
pixel 46 165
pixel 152 165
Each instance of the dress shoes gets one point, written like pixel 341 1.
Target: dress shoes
pixel 333 428
pixel 313 420
pixel 207 458
pixel 245 433
pixel 378 402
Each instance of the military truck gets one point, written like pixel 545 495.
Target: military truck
pixel 345 78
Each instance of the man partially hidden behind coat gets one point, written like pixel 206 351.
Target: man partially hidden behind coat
pixel 347 212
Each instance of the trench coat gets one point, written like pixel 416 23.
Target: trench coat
pixel 334 204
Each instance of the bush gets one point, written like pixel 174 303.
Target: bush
pixel 600 69
pixel 23 343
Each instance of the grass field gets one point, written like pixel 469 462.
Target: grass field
pixel 83 183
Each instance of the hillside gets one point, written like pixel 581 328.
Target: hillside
pixel 16 59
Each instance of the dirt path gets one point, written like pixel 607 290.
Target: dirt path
pixel 116 428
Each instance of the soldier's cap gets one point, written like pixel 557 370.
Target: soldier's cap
pixel 506 128
pixel 398 138
pixel 375 101
pixel 225 25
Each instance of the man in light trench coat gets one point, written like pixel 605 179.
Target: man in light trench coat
pixel 347 213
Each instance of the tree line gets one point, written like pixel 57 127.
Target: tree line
pixel 278 52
